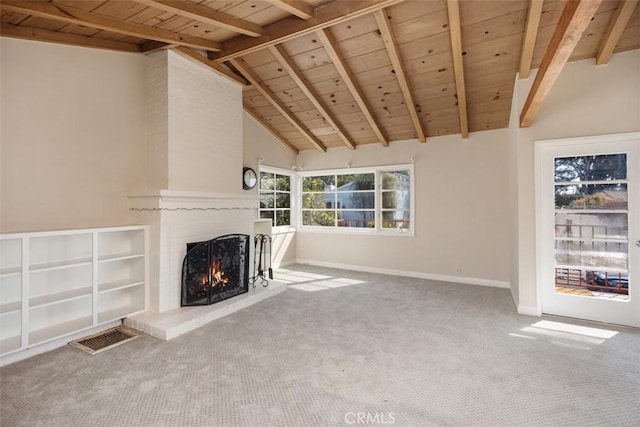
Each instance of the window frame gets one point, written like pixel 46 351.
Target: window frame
pixel 293 179
pixel 378 209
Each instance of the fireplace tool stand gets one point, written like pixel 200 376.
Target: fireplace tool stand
pixel 262 247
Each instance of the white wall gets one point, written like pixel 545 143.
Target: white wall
pixel 585 100
pixel 261 147
pixel 462 222
pixel 73 135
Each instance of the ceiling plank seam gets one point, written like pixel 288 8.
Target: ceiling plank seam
pixel 453 11
pixel 530 36
pixel 575 17
pixel 331 48
pixel 271 97
pixel 396 62
pixel 286 62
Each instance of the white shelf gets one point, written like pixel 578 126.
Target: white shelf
pixel 10 256
pixel 60 297
pixel 59 330
pixel 118 284
pixel 10 307
pixel 10 271
pixel 118 257
pixel 10 344
pixel 119 312
pixel 74 279
pixel 56 265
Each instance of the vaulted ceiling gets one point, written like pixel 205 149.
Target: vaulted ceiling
pixel 343 73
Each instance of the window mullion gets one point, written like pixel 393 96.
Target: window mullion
pixel 378 201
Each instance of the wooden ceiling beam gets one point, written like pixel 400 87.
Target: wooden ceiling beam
pixel 225 72
pixel 396 62
pixel 574 20
pixel 29 33
pixel 271 130
pixel 453 9
pixel 289 28
pixel 72 15
pixel 152 46
pixel 530 36
pixel 273 100
pixel 294 7
pixel 284 60
pixel 615 30
pixel 205 15
pixel 331 48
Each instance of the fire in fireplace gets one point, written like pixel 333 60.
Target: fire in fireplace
pixel 215 270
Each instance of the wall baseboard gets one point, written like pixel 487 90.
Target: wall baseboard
pixel 529 310
pixel 405 273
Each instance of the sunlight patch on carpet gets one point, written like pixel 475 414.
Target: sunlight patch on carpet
pixel 575 329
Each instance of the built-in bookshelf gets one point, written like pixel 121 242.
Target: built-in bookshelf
pixel 57 283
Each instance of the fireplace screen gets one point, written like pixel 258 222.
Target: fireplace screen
pixel 215 270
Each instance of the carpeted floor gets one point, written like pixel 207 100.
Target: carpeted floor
pixel 345 348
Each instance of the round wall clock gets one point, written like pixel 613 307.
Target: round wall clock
pixel 249 178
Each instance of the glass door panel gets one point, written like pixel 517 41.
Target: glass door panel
pixel 591 225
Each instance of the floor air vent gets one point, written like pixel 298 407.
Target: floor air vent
pixel 104 340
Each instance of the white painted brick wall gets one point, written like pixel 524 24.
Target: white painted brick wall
pixel 157 166
pixel 205 129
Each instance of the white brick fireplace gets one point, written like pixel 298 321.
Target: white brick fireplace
pixel 194 169
pixel 177 218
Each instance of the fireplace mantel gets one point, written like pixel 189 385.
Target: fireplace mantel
pixel 189 200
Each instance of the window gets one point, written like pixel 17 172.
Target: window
pixel 339 200
pixel 396 199
pixel 373 199
pixel 275 196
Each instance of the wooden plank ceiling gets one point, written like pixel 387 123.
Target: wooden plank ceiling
pixel 334 73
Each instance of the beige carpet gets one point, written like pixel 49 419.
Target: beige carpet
pixel 345 348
